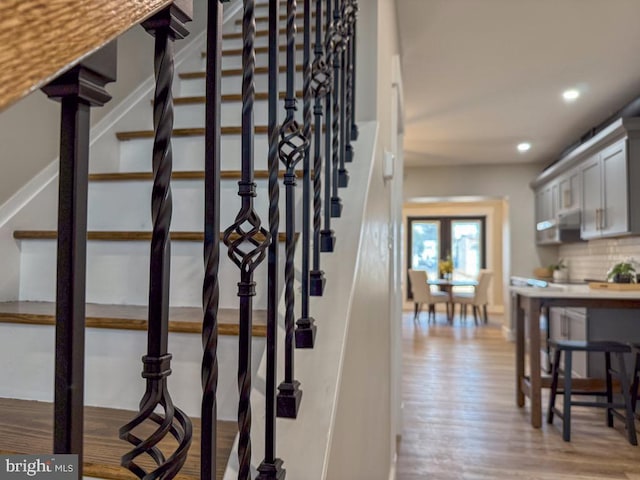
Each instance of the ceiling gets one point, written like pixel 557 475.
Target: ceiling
pixel 481 76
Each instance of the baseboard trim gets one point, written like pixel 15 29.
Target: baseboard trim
pixel 508 334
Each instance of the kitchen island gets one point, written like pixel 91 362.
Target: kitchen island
pixel 527 303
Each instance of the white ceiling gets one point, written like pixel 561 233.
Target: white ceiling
pixel 480 76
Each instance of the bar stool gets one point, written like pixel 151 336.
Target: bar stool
pixel 606 347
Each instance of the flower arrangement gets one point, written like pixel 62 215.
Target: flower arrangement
pixel 623 272
pixel 446 266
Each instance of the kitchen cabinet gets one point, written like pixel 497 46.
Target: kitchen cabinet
pixel 605 199
pixel 570 324
pixel 569 191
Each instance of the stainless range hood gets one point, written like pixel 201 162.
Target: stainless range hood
pixel 565 228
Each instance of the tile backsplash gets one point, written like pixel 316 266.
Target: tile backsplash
pixel 593 259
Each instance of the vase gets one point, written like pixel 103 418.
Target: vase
pixel 622 278
pixel 560 276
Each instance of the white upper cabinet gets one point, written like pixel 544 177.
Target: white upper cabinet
pixel 569 192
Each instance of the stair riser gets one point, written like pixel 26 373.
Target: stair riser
pixel 192 115
pixel 126 205
pixel 233 84
pixel 188 153
pixel 118 273
pixel 262 40
pixel 113 367
pixel 262 59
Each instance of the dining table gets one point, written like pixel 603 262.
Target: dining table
pixel 447 285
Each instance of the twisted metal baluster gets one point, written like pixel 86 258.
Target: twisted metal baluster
pixel 350 18
pixel 271 467
pixel 354 126
pixel 292 147
pixel 327 238
pixel 343 174
pixel 247 241
pixel 211 284
pixel 305 327
pixel 337 159
pixel 165 26
pixel 320 87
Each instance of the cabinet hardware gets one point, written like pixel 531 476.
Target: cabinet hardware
pixel 597 219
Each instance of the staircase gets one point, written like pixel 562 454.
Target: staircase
pixel 119 224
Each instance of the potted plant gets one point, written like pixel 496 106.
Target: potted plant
pixel 559 271
pixel 623 272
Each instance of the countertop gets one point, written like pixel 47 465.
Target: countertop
pixel 573 291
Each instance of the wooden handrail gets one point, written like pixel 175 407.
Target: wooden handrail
pixel 42 38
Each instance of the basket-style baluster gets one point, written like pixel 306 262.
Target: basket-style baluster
pixel 320 86
pixel 247 240
pixel 305 326
pixel 77 89
pixel 327 238
pixel 156 406
pixel 271 466
pixel 292 147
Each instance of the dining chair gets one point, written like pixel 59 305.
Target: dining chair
pixel 422 294
pixel 479 298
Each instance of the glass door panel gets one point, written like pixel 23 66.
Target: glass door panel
pixel 466 249
pixel 425 246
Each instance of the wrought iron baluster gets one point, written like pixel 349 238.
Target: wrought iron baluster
pixel 78 90
pixel 354 37
pixel 343 174
pixel 247 240
pixel 305 326
pixel 337 158
pixel 350 18
pixel 271 466
pixel 327 238
pixel 320 86
pixel 292 147
pixel 166 26
pixel 211 284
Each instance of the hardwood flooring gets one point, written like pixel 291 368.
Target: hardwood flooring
pixel 461 420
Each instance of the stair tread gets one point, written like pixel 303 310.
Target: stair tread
pixel 258 50
pixel 26 427
pixel 265 18
pixel 261 33
pixel 121 235
pixel 130 317
pixel 228 97
pixel 189 132
pixel 229 72
pixel 179 175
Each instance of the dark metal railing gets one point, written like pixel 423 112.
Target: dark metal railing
pixel 165 26
pixel 78 90
pixel 323 140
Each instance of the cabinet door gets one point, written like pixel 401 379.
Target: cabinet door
pixel 569 192
pixel 591 187
pixel 557 326
pixel 615 206
pixel 577 327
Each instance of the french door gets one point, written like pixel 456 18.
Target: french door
pixel 432 239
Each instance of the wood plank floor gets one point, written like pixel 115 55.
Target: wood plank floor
pixel 26 428
pixel 461 421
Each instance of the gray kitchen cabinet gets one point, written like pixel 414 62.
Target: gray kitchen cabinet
pixel 570 324
pixel 605 199
pixel 569 191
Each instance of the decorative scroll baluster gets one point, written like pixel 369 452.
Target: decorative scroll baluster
pixel 78 90
pixel 306 330
pixel 343 174
pixel 271 467
pixel 247 240
pixel 337 158
pixel 211 284
pixel 320 85
pixel 292 147
pixel 350 18
pixel 327 238
pixel 166 26
pixel 352 67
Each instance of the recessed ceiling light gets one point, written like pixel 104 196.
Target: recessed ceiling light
pixel 570 95
pixel 524 146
